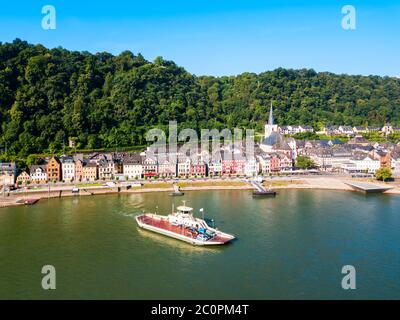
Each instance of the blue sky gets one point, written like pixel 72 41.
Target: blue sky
pixel 221 37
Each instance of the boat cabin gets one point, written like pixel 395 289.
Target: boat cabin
pixel 184 210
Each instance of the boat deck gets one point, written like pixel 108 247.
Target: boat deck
pixel 184 231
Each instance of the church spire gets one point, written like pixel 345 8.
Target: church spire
pixel 271 116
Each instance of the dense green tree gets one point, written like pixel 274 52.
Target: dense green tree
pixel 111 101
pixel 31 160
pixel 304 162
pixel 383 174
pixel 306 136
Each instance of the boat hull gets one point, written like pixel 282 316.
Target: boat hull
pixel 164 228
pixel 176 194
pixel 264 193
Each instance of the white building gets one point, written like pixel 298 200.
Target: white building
pixel 106 168
pixel 183 167
pixel 395 164
pixel 290 129
pixel 215 167
pixel 306 128
pixel 347 130
pixel 38 174
pixel 8 173
pixel 133 170
pixel 330 160
pixel 387 129
pixel 349 167
pixel 366 164
pixel 67 168
pixel 251 167
pixel 150 166
pixel 264 161
pixel 166 168
pixel 132 167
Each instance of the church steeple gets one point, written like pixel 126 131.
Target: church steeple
pixel 270 127
pixel 271 116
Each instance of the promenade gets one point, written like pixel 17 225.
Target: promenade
pixel 166 185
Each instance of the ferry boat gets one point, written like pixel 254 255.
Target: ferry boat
pixel 182 225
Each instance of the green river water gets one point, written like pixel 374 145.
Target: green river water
pixel 289 247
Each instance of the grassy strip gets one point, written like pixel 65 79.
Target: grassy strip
pixel 87 185
pixel 212 184
pixel 157 185
pixel 281 183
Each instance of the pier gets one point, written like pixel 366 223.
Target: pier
pixel 261 190
pixel 367 187
pixel 177 191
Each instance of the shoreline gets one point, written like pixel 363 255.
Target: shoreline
pixel 316 183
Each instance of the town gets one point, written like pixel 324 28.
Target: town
pixel 276 154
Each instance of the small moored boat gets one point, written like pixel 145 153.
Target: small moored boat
pixel 30 201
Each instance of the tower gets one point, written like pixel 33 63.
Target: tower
pixel 270 127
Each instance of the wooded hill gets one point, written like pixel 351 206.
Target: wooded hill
pixel 107 101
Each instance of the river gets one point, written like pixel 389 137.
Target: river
pixel 289 247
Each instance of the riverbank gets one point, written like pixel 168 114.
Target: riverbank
pixel 318 183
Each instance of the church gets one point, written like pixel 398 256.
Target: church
pixel 274 141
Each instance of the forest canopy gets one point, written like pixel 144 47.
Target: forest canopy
pixel 108 101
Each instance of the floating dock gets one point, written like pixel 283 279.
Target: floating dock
pixel 261 191
pixel 367 187
pixel 28 201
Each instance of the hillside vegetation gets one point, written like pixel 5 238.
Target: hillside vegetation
pixel 107 101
